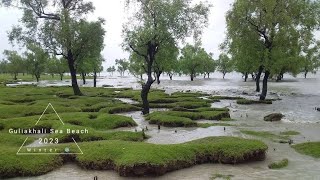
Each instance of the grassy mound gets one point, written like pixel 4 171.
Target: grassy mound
pixel 12 165
pixel 141 159
pixel 94 135
pixel 93 120
pixel 218 98
pixel 266 134
pixel 184 118
pixel 206 125
pixel 248 101
pixel 280 164
pixel 208 115
pixel 289 133
pixel 308 148
pixel 169 121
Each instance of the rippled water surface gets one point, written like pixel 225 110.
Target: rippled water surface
pixel 299 98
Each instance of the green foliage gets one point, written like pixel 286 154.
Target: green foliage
pixel 277 35
pixel 195 60
pixel 123 66
pixel 15 63
pixel 280 164
pixel 57 66
pixel 225 64
pixel 60 27
pixel 111 70
pixel 165 23
pixel 308 148
pixel 37 60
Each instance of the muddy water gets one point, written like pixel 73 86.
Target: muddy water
pixel 299 97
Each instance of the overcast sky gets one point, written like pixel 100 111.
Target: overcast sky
pixel 114 13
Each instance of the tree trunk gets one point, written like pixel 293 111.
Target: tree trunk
pixel 170 75
pixel 74 83
pixel 245 77
pixel 191 77
pixel 15 76
pixel 208 75
pixel 95 79
pixel 144 96
pixel 305 74
pixel 61 76
pixel 141 77
pixel 83 78
pixel 258 79
pixel 253 76
pixel 265 86
pixel 224 74
pixel 158 74
pixel 152 50
pixel 52 75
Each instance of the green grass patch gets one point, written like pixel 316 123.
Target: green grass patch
pixel 94 135
pixel 248 101
pixel 265 134
pixel 289 133
pixel 120 108
pixel 169 121
pixel 207 115
pixel 280 164
pixel 225 97
pixel 308 148
pixel 206 125
pixel 152 159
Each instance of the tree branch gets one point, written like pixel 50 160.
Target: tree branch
pixel 139 53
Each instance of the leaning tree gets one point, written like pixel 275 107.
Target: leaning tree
pixel 157 24
pixel 59 26
pixel 275 32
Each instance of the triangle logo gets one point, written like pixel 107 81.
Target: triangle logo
pixel 44 144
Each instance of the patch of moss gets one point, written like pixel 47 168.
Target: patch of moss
pixel 308 148
pixel 208 115
pixel 264 134
pixel 128 157
pixel 227 119
pixel 248 101
pixel 279 164
pixel 120 108
pixel 225 97
pixel 206 125
pixel 169 121
pixel 94 135
pixel 289 133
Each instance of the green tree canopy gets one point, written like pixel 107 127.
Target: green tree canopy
pixel 271 32
pixel 225 64
pixel 60 28
pixel 193 59
pixel 123 66
pixel 157 24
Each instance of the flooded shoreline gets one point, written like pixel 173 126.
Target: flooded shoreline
pixel 298 97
